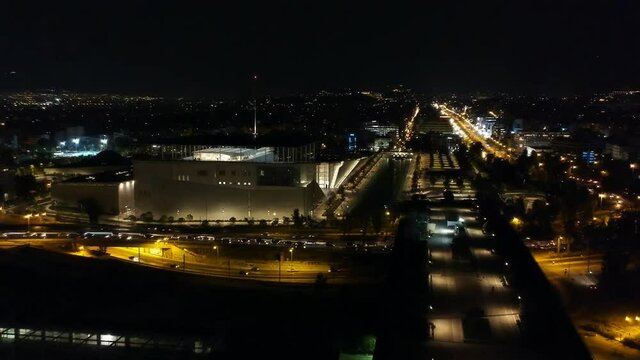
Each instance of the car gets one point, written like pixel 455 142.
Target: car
pixel 243 272
pixel 593 287
pixel 174 266
pixel 255 268
pixel 134 258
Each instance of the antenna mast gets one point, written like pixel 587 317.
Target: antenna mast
pixel 255 108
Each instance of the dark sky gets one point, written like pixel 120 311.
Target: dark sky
pixel 192 48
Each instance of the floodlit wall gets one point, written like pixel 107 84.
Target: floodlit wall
pixel 113 198
pixel 221 190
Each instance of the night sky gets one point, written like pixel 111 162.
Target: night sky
pixel 189 48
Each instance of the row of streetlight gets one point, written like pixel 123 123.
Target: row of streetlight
pixel 29 216
pixel 217 249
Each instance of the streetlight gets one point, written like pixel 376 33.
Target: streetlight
pixel 291 252
pixel 217 251
pixel 76 141
pixel 601 196
pixel 28 217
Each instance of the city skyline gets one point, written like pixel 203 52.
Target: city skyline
pixel 436 180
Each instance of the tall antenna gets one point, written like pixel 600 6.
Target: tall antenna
pixel 255 108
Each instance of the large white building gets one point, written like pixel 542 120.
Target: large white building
pixel 221 183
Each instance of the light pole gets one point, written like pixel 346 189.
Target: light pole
pixel 76 142
pixel 28 217
pixel 291 252
pixel 588 256
pixel 601 196
pixel 217 252
pixel 559 243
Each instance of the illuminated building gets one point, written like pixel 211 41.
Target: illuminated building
pixel 224 182
pixel 112 192
pixel 381 129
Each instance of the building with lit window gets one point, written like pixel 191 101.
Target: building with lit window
pixel 224 182
pixel 381 129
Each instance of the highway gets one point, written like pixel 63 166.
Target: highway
pixel 407 133
pixel 291 272
pixel 471 134
pixel 180 256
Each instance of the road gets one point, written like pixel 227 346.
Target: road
pixel 581 294
pixel 291 272
pixel 177 256
pixel 470 133
pixel 572 267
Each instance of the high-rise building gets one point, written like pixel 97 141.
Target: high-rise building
pixel 352 142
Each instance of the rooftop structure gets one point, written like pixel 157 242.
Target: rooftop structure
pixel 263 154
pixel 268 154
pixel 381 129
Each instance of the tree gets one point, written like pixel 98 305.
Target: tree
pixel 25 186
pixel 132 218
pixel 170 219
pixel 448 195
pixel 297 219
pixel 376 222
pixel 189 217
pixel 6 156
pixel 321 281
pixel 92 208
pixel 232 220
pixel 163 218
pixel 205 223
pixel 475 151
pixel 519 207
pixel 147 217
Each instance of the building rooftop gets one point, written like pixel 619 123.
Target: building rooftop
pixel 263 154
pixel 106 177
